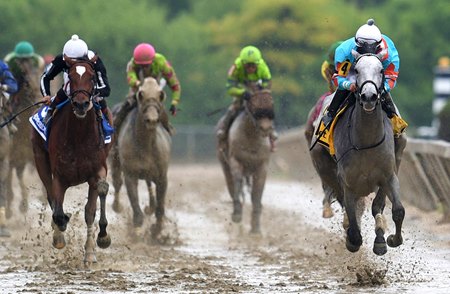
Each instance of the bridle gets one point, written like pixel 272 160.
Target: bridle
pixel 89 94
pixel 377 88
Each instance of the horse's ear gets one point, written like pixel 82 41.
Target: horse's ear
pixel 69 60
pixel 162 96
pixel 355 54
pixel 94 58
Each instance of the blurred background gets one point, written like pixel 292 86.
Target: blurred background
pixel 201 38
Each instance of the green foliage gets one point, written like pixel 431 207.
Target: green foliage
pixel 201 38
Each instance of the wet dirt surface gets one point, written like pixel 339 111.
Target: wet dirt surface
pixel 298 251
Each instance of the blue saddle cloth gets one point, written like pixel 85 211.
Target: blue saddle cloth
pixel 37 119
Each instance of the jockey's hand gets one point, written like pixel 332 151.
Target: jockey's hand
pixel 353 87
pixel 246 95
pixel 173 110
pixel 4 87
pixel 47 100
pixel 137 84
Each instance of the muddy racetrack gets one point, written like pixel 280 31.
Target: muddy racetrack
pixel 298 252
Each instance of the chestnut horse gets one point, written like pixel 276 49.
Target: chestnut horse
pixel 245 158
pixel 76 154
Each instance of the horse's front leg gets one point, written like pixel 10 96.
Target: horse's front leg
pixel 131 184
pixel 59 218
pixel 378 204
pixel 392 190
pixel 238 181
pixel 354 238
pixel 89 217
pixel 259 181
pixel 103 239
pixel 161 188
pixel 150 209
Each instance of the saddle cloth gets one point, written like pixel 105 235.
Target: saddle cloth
pixel 325 136
pixel 36 121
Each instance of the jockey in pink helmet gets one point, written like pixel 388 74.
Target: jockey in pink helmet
pixel 147 63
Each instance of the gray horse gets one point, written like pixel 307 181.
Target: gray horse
pixel 142 151
pixel 5 146
pixel 245 158
pixel 367 157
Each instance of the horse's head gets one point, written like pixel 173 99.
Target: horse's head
pixel 149 98
pixel 82 80
pixel 369 80
pixel 260 107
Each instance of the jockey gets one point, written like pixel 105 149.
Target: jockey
pixel 8 86
pixel 368 39
pixel 248 68
pixel 75 48
pixel 147 63
pixel 20 61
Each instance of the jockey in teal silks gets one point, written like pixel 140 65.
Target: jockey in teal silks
pixel 368 39
pixel 248 68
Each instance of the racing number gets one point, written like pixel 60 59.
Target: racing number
pixel 345 68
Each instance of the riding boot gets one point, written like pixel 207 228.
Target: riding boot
pixel 48 115
pixel 121 114
pixel 399 125
pixel 338 98
pixel 164 119
pixel 225 123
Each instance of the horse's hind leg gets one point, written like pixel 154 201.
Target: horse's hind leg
pixel 23 207
pixel 116 175
pixel 150 209
pixel 398 211
pixel 9 193
pixel 378 204
pixel 3 176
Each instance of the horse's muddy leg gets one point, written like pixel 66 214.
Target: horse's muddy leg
pixel 116 175
pixel 103 239
pixel 161 188
pixel 59 241
pixel 354 238
pixel 9 193
pixel 238 182
pixel 150 209
pixel 4 232
pixel 131 184
pixel 398 211
pixel 23 206
pixel 378 204
pixel 327 211
pixel 59 217
pixel 89 246
pixel 259 180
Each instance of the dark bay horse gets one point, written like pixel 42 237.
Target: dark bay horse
pixel 142 152
pixel 245 158
pixel 22 153
pixel 367 157
pixel 76 154
pixel 5 146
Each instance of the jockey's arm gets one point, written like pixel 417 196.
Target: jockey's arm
pixel 132 78
pixel 9 84
pixel 340 77
pixel 52 70
pixel 103 88
pixel 170 76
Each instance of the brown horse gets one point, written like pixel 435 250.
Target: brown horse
pixel 5 144
pixel 76 154
pixel 245 158
pixel 143 152
pixel 22 154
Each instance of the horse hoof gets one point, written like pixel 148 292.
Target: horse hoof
pixel 392 241
pixel 59 242
pixel 4 233
pixel 351 247
pixel 237 218
pixel 103 242
pixel 255 232
pixel 117 207
pixel 89 258
pixel 379 248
